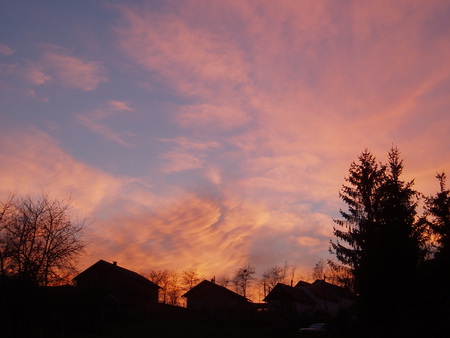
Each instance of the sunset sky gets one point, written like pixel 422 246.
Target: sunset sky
pixel 211 134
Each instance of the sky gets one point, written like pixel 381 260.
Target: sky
pixel 212 134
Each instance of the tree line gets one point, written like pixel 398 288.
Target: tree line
pixel 396 259
pixel 244 281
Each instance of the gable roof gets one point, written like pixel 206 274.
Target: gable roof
pixel 209 290
pixel 128 274
pixel 321 291
pixel 296 293
pixel 302 283
pixel 337 291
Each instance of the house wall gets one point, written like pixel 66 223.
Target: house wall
pixel 214 306
pixel 102 281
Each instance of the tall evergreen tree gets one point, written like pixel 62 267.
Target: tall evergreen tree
pixel 358 226
pixel 438 209
pixel 381 247
pixel 437 304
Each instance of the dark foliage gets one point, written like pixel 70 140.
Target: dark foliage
pixel 378 239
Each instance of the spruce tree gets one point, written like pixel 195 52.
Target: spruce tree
pixel 377 237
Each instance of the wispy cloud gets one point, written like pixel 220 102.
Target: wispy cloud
pixel 119 105
pixel 185 154
pixel 96 121
pixel 6 50
pixel 33 162
pixel 56 64
pixel 103 130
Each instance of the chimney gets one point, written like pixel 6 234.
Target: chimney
pixel 114 263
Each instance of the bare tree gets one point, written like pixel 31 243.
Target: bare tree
pixel 274 275
pixel 160 278
pixel 173 289
pixel 224 281
pixel 190 278
pixel 6 212
pixel 42 242
pixel 242 277
pixel 319 270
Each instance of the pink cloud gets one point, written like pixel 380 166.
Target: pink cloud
pixel 33 162
pixel 103 130
pixel 6 50
pixel 119 105
pixel 185 154
pixel 223 117
pixel 96 121
pixel 57 64
pixel 74 72
pixel 36 74
pixel 196 62
pixel 210 235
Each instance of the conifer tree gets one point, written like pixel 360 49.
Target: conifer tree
pixel 377 237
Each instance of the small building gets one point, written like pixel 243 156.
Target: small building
pixel 116 289
pixel 208 298
pixel 287 300
pixel 331 298
pixel 306 298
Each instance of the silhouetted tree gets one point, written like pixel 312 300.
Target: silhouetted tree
pixel 242 277
pixel 163 278
pixel 399 248
pixel 274 275
pixel 190 278
pixel 437 299
pixel 224 281
pixel 438 210
pixel 6 216
pixel 39 241
pixel 318 270
pixel 340 275
pixel 382 246
pixel 355 241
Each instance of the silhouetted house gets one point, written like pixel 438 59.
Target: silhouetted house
pixel 331 298
pixel 208 298
pixel 306 298
pixel 116 289
pixel 287 300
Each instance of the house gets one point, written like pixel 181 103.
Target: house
pixel 306 298
pixel 116 289
pixel 208 298
pixel 331 298
pixel 287 300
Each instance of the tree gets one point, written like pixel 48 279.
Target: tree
pixel 6 213
pixel 437 208
pixel 359 222
pixel 274 275
pixel 163 278
pixel 224 281
pixel 190 278
pixel 242 277
pixel 39 242
pixel 319 270
pixel 382 244
pixel 437 218
pixel 173 289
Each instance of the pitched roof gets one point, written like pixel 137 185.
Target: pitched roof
pixel 336 290
pixel 321 290
pixel 302 283
pixel 120 270
pixel 209 290
pixel 295 293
